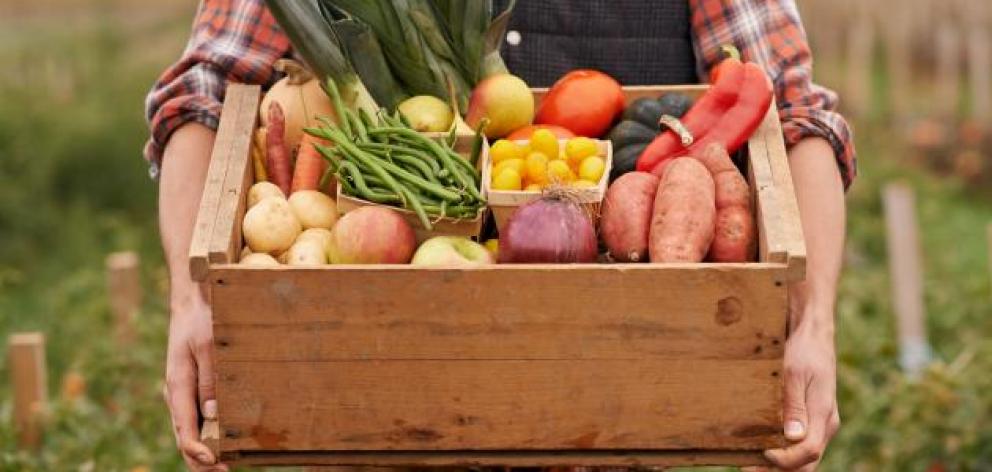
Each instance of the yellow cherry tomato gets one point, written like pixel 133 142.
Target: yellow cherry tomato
pixel 577 149
pixel 583 183
pixel 559 172
pixel 537 168
pixel 592 168
pixel 516 164
pixel 544 141
pixel 503 150
pixel 533 188
pixel 507 179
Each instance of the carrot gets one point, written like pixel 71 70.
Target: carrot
pixel 310 164
pixel 277 155
pixel 258 155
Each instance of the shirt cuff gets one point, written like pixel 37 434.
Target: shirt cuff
pixel 173 114
pixel 838 134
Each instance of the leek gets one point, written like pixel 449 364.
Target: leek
pixel 321 48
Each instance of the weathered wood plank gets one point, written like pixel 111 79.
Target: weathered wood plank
pixel 213 187
pixel 29 381
pixel 791 236
pixel 496 404
pixel 225 241
pixel 549 312
pixel 494 458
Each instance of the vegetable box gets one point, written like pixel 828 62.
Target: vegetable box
pixel 510 365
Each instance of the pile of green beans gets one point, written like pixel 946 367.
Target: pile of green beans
pixel 384 160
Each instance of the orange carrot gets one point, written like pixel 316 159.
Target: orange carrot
pixel 310 164
pixel 280 168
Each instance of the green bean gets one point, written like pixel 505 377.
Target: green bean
pixel 435 167
pixel 351 151
pixel 477 142
pixel 466 165
pixel 356 124
pixel 339 109
pixel 363 190
pixel 367 120
pixel 388 168
pixel 437 151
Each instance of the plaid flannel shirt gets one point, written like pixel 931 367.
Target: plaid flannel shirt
pixel 239 41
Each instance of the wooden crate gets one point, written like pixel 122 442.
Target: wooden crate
pixel 513 365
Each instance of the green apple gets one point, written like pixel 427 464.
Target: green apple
pixel 451 251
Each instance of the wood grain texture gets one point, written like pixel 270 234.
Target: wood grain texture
pixel 234 148
pixel 500 404
pixel 444 459
pixel 780 232
pixel 503 312
pixel 213 188
pixel 29 380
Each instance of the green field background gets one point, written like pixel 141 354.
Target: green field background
pixel 74 187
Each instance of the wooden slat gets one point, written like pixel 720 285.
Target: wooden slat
pixel 633 92
pixel 780 234
pixel 500 404
pixel 610 312
pixel 788 205
pixel 419 459
pixel 213 190
pixel 234 148
pixel 29 381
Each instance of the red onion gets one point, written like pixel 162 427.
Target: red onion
pixel 551 229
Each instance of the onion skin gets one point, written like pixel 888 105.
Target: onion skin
pixel 550 230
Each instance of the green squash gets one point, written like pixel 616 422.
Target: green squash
pixel 629 132
pixel 625 159
pixel 646 111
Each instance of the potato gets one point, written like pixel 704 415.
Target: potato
pixel 314 209
pixel 626 216
pixel 735 235
pixel 261 190
pixel 306 252
pixel 270 226
pixel 259 259
pixel 684 214
pixel 321 235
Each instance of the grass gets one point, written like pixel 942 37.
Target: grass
pixel 73 188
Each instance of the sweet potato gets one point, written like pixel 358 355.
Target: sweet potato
pixel 735 236
pixel 684 215
pixel 626 217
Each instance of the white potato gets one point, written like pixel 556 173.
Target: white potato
pixel 262 190
pixel 321 235
pixel 270 226
pixel 306 252
pixel 259 259
pixel 314 209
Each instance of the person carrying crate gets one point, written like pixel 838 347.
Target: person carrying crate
pixel 637 42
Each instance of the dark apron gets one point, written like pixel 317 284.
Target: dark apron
pixel 638 42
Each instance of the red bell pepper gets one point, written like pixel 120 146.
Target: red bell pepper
pixel 727 114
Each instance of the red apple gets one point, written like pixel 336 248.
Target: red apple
pixel 371 235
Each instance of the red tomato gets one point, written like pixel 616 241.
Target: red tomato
pixel 525 132
pixel 584 101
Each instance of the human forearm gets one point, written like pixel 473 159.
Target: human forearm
pixel 820 193
pixel 184 170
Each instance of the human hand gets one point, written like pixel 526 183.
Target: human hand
pixel 189 377
pixel 810 407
